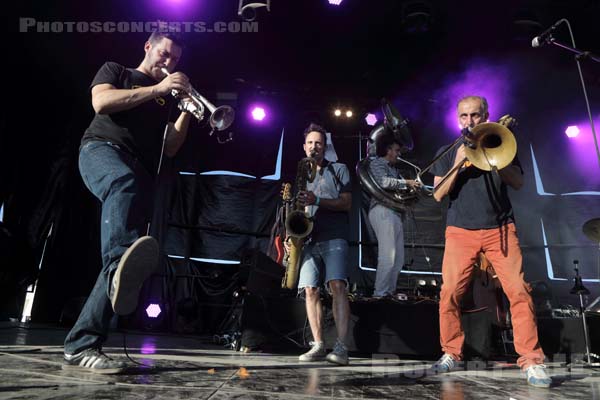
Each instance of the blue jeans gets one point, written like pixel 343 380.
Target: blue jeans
pixel 323 262
pixel 125 189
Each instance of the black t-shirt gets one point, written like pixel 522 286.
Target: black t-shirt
pixel 479 199
pixel 139 130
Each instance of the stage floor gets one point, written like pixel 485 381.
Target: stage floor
pixel 181 367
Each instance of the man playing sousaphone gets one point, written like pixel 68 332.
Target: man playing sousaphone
pixel 480 218
pixel 387 223
pixel 325 258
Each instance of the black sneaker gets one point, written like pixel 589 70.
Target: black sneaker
pixel 136 265
pixel 93 360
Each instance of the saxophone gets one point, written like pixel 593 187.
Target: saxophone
pixel 298 225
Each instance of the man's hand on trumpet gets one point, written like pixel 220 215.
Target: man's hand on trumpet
pixel 175 81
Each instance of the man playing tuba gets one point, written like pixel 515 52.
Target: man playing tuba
pixel 387 223
pixel 480 219
pixel 325 258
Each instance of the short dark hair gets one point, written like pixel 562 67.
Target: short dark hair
pixel 316 128
pixel 383 142
pixel 166 32
pixel 482 100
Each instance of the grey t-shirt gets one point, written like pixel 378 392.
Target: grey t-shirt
pixel 331 180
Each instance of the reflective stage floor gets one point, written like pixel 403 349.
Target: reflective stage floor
pixel 188 367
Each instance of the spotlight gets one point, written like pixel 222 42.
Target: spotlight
pixel 335 2
pixel 371 119
pixel 258 113
pixel 337 112
pixel 427 288
pixel 349 114
pixel 248 11
pixel 416 16
pixel 572 131
pixel 153 310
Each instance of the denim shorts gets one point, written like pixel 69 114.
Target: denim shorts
pixel 323 262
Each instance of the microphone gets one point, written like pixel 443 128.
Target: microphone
pixel 545 36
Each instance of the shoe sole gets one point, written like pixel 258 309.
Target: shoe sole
pixel 136 265
pixel 336 361
pixel 312 359
pixel 105 371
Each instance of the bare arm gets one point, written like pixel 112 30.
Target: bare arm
pixel 342 203
pixel 177 134
pixel 512 176
pixel 441 190
pixel 107 99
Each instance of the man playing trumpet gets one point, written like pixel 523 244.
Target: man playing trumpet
pixel 118 160
pixel 480 219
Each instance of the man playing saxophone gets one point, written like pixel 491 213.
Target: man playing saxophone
pixel 325 257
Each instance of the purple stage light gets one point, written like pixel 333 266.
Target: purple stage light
pixel 482 78
pixel 583 160
pixel 335 2
pixel 258 113
pixel 371 119
pixel 572 131
pixel 153 310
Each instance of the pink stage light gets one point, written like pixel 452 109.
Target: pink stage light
pixel 335 2
pixel 371 119
pixel 153 310
pixel 258 113
pixel 572 131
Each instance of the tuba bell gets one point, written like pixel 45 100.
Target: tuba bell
pixel 395 124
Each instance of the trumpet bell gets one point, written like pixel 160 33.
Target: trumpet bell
pixel 222 118
pixel 495 146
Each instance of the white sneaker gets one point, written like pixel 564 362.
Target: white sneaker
pixel 316 353
pixel 536 376
pixel 445 364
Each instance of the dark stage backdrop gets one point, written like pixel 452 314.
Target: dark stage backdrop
pixel 300 76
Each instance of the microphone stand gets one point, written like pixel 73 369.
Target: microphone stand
pixel 581 290
pixel 579 55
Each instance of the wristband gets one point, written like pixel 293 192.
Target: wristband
pixel 317 201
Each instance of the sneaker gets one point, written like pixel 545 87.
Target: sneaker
pixel 536 376
pixel 316 353
pixel 93 360
pixel 445 364
pixel 136 265
pixel 339 354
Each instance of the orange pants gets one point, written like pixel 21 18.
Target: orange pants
pixel 501 248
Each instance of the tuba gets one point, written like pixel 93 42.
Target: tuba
pixel 394 123
pixel 298 225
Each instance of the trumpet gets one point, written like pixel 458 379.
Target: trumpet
pixel 220 117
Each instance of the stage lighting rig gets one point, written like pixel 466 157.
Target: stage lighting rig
pixel 248 11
